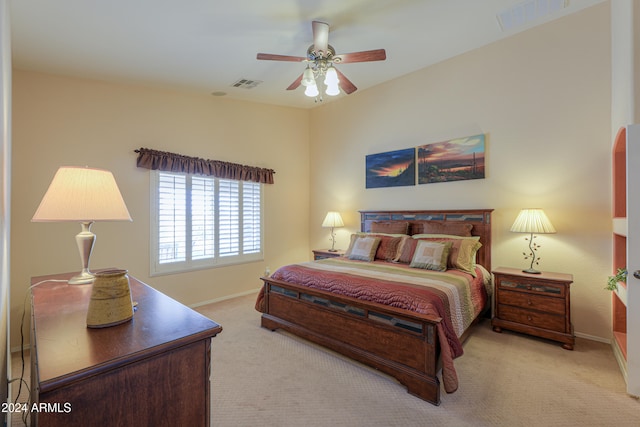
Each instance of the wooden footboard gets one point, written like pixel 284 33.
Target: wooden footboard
pixel 395 341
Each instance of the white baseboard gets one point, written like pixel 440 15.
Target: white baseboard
pixel 622 363
pixel 593 338
pixel 224 298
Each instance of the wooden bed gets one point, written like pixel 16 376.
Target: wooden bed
pixel 411 355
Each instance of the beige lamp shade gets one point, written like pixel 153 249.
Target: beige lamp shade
pixel 532 221
pixel 82 195
pixel 333 219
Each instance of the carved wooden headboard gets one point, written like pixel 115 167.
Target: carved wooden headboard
pixel 479 218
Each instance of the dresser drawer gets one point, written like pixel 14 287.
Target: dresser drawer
pixel 533 302
pixel 531 286
pixel 532 318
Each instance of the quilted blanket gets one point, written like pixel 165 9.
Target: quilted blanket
pixel 454 296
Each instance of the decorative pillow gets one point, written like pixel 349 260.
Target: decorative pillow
pixel 364 248
pixel 395 227
pixel 436 227
pixel 463 253
pixel 431 255
pixel 389 246
pixel 407 250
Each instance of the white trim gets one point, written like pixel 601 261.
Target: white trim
pixel 157 269
pixel 228 297
pixel 593 338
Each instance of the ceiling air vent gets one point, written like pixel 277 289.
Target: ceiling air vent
pixel 528 12
pixel 246 83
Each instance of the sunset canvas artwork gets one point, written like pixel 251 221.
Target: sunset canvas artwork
pixel 453 160
pixel 391 169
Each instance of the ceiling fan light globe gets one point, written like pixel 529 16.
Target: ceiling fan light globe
pixel 332 90
pixel 331 77
pixel 308 78
pixel 311 90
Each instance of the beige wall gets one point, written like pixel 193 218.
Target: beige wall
pixel 543 100
pixel 64 121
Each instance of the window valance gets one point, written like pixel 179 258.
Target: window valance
pixel 171 162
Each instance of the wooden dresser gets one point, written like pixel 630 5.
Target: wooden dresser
pixel 151 371
pixel 535 304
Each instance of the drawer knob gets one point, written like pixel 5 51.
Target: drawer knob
pixel 529 302
pixel 529 318
pixel 529 287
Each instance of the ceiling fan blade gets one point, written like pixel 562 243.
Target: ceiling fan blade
pixel 296 83
pixel 320 36
pixel 347 86
pixel 271 57
pixel 364 56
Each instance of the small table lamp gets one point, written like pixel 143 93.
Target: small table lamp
pixel 333 220
pixel 83 195
pixel 533 221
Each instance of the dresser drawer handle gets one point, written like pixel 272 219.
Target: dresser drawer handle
pixel 528 287
pixel 529 318
pixel 529 302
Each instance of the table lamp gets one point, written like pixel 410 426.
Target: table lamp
pixel 333 220
pixel 84 195
pixel 532 221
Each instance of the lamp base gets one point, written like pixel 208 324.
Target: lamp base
pixel 84 278
pixel 333 250
pixel 84 241
pixel 531 271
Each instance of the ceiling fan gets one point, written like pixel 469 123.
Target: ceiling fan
pixel 321 57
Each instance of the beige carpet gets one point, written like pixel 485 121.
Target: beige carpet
pixel 263 378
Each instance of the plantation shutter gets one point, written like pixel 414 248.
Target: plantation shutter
pixel 228 219
pixel 171 218
pixel 251 218
pixel 202 217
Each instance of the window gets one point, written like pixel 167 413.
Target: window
pixel 203 222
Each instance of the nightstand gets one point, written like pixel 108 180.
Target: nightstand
pixel 326 253
pixel 534 304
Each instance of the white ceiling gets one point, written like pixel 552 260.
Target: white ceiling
pixel 207 45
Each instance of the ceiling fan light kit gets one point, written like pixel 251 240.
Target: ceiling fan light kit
pixel 320 59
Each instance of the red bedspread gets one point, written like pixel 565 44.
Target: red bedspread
pixel 455 297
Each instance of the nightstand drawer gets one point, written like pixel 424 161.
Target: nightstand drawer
pixel 532 286
pixel 532 318
pixel 533 302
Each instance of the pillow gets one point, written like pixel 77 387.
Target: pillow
pixel 364 248
pixel 407 250
pixel 431 255
pixel 435 227
pixel 389 246
pixel 395 227
pixel 463 253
